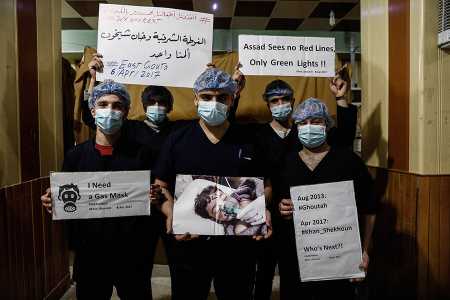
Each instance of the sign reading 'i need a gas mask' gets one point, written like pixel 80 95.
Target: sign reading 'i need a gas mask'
pixel 87 195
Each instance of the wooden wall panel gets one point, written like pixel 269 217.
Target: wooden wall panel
pixel 9 106
pixel 434 239
pixel 38 234
pixel 444 245
pixel 50 98
pixel 4 264
pixel 35 251
pixel 393 267
pixel 411 254
pixel 398 144
pixel 429 93
pixel 423 237
pixel 375 81
pixel 14 245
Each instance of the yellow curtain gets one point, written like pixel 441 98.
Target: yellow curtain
pixel 81 131
pixel 251 105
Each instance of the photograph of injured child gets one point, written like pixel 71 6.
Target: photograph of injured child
pixel 213 205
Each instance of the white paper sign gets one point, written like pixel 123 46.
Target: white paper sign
pixel 287 55
pixel 153 45
pixel 86 195
pixel 216 205
pixel 327 231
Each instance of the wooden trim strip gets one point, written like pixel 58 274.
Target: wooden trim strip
pixel 398 143
pixel 28 89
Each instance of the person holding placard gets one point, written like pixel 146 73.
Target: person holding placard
pixel 110 251
pixel 278 137
pixel 211 146
pixel 318 162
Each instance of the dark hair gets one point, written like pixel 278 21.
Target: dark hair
pixel 275 85
pixel 202 200
pixel 158 92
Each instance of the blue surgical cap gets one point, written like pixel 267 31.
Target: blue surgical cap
pixel 277 88
pixel 215 79
pixel 312 108
pixel 109 87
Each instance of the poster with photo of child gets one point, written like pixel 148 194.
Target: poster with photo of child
pixel 217 205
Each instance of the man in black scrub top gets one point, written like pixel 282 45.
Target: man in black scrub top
pixel 278 137
pixel 111 251
pixel 211 146
pixel 318 162
pixel 150 134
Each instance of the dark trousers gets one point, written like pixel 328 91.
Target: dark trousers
pixel 265 269
pixel 228 262
pixel 125 262
pixel 290 285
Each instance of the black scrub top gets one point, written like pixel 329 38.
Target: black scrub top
pixel 138 132
pixel 339 164
pixel 189 151
pixel 108 232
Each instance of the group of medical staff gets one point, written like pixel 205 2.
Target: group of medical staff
pixel 301 145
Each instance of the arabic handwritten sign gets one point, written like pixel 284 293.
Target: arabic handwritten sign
pixel 287 55
pixel 153 45
pixel 327 231
pixel 85 195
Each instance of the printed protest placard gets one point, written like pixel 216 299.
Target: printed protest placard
pixel 153 45
pixel 86 195
pixel 327 231
pixel 287 55
pixel 213 205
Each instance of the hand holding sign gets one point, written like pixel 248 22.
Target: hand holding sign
pixel 47 200
pixel 340 82
pixel 96 64
pixel 286 208
pixel 364 266
pixel 239 77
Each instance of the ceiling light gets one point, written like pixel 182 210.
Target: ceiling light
pixel 215 6
pixel 332 19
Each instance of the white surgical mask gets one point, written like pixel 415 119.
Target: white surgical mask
pixel 281 112
pixel 312 136
pixel 212 112
pixel 107 120
pixel 156 114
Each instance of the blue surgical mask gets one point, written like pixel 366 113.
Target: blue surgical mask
pixel 212 112
pixel 281 112
pixel 312 136
pixel 107 120
pixel 156 114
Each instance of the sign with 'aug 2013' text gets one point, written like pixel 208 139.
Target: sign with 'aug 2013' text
pixel 287 55
pixel 153 45
pixel 327 231
pixel 86 195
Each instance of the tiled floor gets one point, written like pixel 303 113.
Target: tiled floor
pixel 161 286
